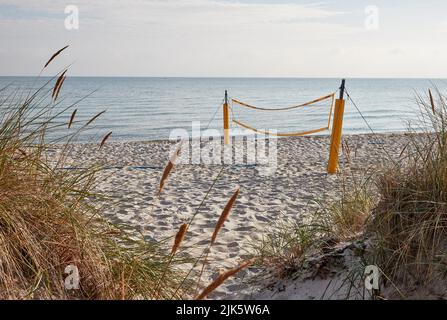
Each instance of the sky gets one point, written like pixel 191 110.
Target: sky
pixel 227 38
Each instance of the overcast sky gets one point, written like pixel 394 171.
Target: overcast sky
pixel 241 38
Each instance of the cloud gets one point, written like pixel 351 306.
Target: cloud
pixel 175 12
pixel 211 38
pixel 169 37
pixel 396 51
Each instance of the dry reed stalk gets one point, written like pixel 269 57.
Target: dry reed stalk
pixel 104 140
pixel 123 290
pixel 59 88
pixel 224 215
pixel 403 149
pixel 58 85
pixel 179 237
pixel 221 278
pixel 432 101
pixel 95 117
pixel 169 167
pixel 54 56
pixel 22 152
pixel 165 175
pixel 72 118
pixel 178 240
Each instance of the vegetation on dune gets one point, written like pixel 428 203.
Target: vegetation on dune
pixel 289 245
pixel 49 224
pixel 398 212
pixel 410 221
pixel 51 229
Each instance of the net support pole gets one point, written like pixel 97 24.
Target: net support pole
pixel 226 120
pixel 337 126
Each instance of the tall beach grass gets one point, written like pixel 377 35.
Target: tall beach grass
pixel 398 212
pixel 50 223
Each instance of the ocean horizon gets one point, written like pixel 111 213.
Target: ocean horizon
pixel 150 108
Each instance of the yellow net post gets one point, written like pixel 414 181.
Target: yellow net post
pixel 337 126
pixel 226 120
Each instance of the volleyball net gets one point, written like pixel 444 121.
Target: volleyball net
pixel 317 115
pixel 307 118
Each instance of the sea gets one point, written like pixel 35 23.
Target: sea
pixel 141 109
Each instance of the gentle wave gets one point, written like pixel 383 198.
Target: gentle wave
pixel 150 108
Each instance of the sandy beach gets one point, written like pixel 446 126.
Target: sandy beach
pixel 132 171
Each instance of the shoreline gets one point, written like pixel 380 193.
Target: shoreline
pixel 111 141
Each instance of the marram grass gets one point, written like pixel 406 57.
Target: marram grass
pixel 49 220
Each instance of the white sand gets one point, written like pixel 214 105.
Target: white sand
pixel 133 171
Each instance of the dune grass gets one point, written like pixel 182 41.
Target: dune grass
pixel 51 225
pixel 410 221
pixel 345 218
pixel 286 246
pixel 399 210
pixel 48 221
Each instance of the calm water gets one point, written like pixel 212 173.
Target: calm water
pixel 149 108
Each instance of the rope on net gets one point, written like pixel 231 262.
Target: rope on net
pixel 291 134
pixel 287 108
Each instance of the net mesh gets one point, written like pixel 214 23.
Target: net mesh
pixel 303 119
